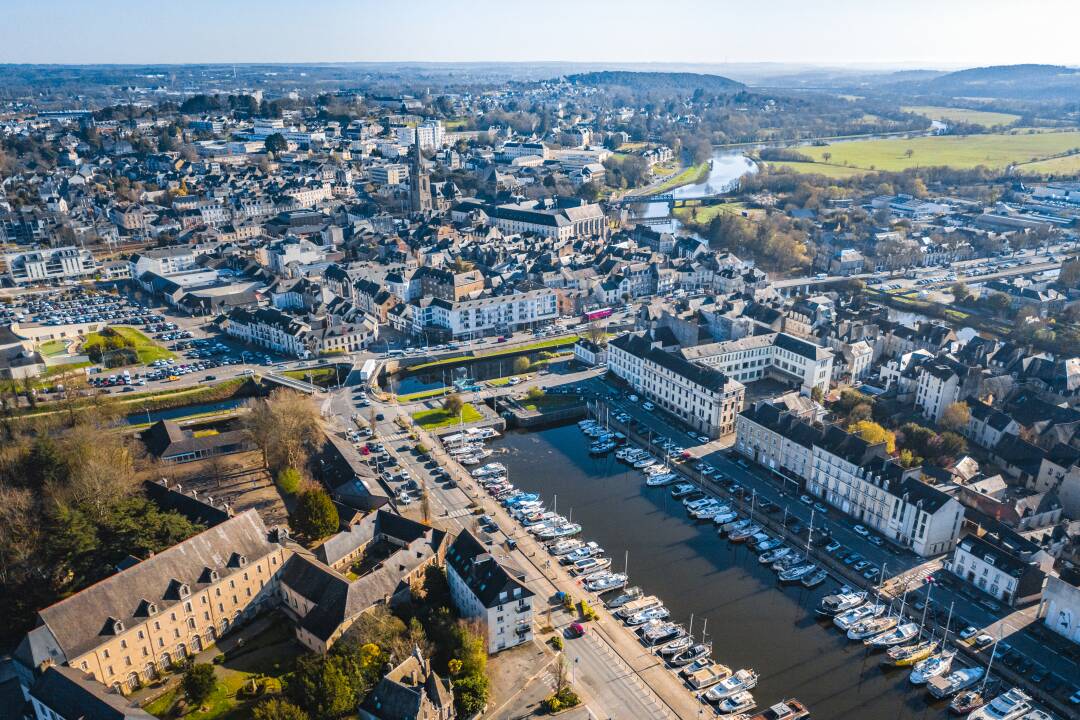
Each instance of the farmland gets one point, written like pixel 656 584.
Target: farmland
pixel 962 152
pixel 962 115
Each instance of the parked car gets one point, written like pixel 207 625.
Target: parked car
pixel 860 530
pixel 968 632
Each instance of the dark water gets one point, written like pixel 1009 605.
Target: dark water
pixel 476 370
pixel 752 620
pixel 141 417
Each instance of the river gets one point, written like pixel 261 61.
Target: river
pixel 726 169
pixel 752 620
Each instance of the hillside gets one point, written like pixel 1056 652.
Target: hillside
pixel 667 81
pixel 1030 82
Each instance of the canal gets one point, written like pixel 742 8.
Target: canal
pixel 753 621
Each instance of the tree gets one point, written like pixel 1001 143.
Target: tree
pixel 953 444
pixel 278 709
pixel 453 404
pixel 960 292
pixel 908 153
pixel 315 514
pixel 535 393
pixel 199 681
pixel 596 334
pixel 288 481
pixel 955 417
pixel 826 156
pixel 998 302
pixel 276 143
pixel 873 433
pixel 319 686
pixel 817 394
pixel 521 365
pixel 1069 276
pixel 284 426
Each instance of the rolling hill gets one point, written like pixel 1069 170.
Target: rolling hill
pixel 667 81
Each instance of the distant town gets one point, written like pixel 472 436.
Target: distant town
pixel 491 392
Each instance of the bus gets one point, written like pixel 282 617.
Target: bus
pixel 598 314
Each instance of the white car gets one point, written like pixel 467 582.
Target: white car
pixel 649 406
pixel 633 398
pixel 860 530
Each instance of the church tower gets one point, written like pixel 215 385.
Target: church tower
pixel 419 182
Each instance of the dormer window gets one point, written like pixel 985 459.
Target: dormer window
pixel 242 560
pixel 151 609
pixel 214 577
pixel 184 590
pixel 118 627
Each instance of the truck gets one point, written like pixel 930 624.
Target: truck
pixel 367 370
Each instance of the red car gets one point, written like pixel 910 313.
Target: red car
pixel 575 630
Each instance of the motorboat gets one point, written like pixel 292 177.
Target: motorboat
pixel 931 667
pixel 872 626
pixel 737 703
pixel 682 490
pixel 661 479
pixel 789 561
pixel 902 633
pixel 708 511
pixel 692 505
pixel 690 654
pixel 708 676
pixel 490 469
pixel 581 552
pixel 1008 706
pixel 693 667
pixel 675 647
pixel 613 581
pixel 767 545
pixel 724 518
pixel 656 613
pixel 833 605
pixel 768 558
pixel 521 499
pixel 644 462
pixel 627 595
pixel 796 573
pixel 637 605
pixel 908 655
pixel 564 530
pixel 971 700
pixel 601 448
pixel 740 681
pixel 757 539
pixel 954 682
pixel 562 547
pixel 743 535
pixel 812 580
pixel 537 518
pixel 661 633
pixel 588 565
pixel 857 614
pixel 790 709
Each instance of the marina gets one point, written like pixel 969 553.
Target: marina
pixel 687 571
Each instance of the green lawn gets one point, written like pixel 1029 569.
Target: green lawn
pixel 146 349
pixel 540 345
pixel 322 376
pixel 550 402
pixel 962 115
pixel 439 418
pixel 811 168
pixel 996 150
pixel 422 395
pixel 53 347
pixel 703 214
pixel 692 174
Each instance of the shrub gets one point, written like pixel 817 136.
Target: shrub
pixel 315 514
pixel 219 658
pixel 288 481
pixel 535 393
pixel 562 700
pixel 586 610
pixel 557 642
pixel 422 449
pixel 199 682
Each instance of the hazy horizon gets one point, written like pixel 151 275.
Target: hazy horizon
pixel 836 34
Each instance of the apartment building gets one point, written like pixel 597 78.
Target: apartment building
pixel 269 328
pixel 50 265
pixel 389 174
pixel 1060 605
pixel 165 261
pixel 1004 565
pixel 937 386
pixel 482 587
pixel 778 355
pixel 140 621
pixel 704 398
pixel 485 315
pixel 852 475
pixel 448 284
pixel 548 220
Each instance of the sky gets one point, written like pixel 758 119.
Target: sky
pixel 910 33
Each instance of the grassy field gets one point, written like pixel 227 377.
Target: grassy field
pixel 423 395
pixel 689 176
pixel 550 402
pixel 439 418
pixel 831 171
pixel 540 345
pixel 53 347
pixel 705 213
pixel 1068 165
pixel 323 376
pixel 146 349
pixel 962 115
pixel 996 150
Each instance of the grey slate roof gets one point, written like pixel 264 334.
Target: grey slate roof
pixel 71 695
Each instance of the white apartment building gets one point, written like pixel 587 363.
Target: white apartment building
pixel 1006 567
pixel 937 387
pixel 269 328
pixel 779 355
pixel 50 265
pixel 432 134
pixel 482 588
pixel 485 315
pixel 389 174
pixel 166 261
pixel 858 479
pixel 1060 607
pixel 705 399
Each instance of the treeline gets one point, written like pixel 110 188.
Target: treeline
pixel 71 509
pixel 671 82
pixel 774 241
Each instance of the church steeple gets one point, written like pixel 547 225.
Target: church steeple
pixel 419 183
